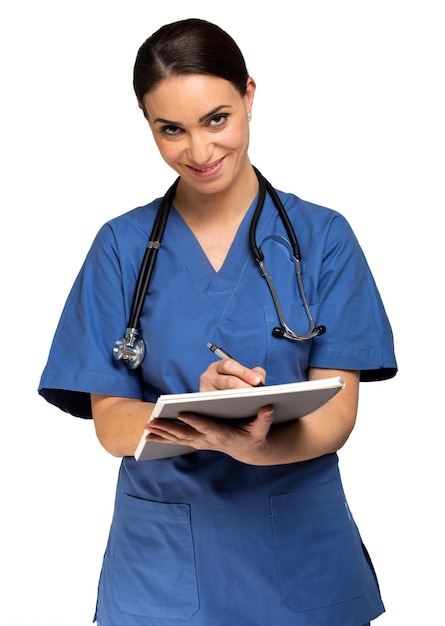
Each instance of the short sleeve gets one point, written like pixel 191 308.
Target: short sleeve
pixel 81 358
pixel 358 335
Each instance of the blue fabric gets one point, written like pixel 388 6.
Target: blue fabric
pixel 202 539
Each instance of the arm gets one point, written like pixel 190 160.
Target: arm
pixel 322 432
pixel 119 422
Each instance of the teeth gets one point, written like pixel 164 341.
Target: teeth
pixel 206 169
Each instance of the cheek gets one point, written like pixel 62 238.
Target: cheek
pixel 237 137
pixel 169 151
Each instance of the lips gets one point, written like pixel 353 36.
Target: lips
pixel 209 169
pixel 205 169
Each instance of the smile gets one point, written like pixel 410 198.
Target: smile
pixel 207 170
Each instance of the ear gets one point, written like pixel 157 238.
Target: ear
pixel 249 95
pixel 141 106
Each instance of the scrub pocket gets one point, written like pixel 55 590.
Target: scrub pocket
pixel 155 573
pixel 318 548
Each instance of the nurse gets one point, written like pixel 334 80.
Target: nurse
pixel 253 527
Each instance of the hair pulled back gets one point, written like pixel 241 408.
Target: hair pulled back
pixel 191 46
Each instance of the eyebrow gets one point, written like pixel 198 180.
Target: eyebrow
pixel 201 119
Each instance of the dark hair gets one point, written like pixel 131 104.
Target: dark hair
pixel 191 46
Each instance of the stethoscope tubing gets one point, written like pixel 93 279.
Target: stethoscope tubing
pixel 264 185
pixel 131 348
pixel 151 251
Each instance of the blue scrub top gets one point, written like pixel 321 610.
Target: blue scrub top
pixel 203 539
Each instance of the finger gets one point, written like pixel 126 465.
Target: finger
pixel 266 414
pixel 261 426
pixel 261 373
pixel 237 375
pixel 170 429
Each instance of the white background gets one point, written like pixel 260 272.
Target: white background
pixel 349 113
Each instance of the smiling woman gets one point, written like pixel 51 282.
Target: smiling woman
pixel 200 126
pixel 253 526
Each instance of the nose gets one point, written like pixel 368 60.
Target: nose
pixel 200 148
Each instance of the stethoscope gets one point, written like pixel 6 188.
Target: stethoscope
pixel 131 348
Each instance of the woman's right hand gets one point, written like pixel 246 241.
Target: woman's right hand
pixel 229 374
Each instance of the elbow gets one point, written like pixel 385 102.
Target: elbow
pixel 341 437
pixel 111 444
pixel 340 443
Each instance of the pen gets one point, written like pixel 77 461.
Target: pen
pixel 222 354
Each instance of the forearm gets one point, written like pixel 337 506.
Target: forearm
pixel 323 432
pixel 304 439
pixel 119 422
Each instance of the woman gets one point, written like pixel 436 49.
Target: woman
pixel 253 528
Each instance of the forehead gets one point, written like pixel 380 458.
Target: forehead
pixel 189 97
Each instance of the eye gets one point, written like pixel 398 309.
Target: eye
pixel 171 131
pixel 218 120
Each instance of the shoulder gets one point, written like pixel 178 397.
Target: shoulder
pixel 141 217
pixel 304 208
pixel 130 229
pixel 319 221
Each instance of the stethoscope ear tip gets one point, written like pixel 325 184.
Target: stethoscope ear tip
pixel 278 332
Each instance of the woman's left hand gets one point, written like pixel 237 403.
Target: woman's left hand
pixel 244 442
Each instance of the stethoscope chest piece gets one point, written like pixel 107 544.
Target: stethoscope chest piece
pixel 130 349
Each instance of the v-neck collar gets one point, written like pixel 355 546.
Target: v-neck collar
pixel 219 286
pixel 193 254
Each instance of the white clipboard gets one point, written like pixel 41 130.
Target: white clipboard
pixel 291 401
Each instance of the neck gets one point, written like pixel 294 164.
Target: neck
pixel 214 219
pixel 225 206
